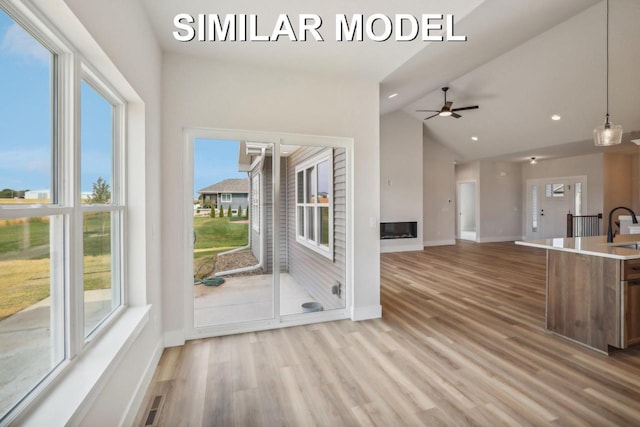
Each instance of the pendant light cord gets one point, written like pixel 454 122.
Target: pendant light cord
pixel 607 61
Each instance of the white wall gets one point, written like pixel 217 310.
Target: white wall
pixel 401 176
pixel 204 93
pixel 439 194
pixel 500 193
pixel 590 165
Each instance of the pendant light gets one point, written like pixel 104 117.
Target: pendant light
pixel 608 133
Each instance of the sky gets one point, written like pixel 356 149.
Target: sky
pixel 214 161
pixel 25 117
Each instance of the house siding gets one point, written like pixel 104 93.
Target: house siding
pixel 267 225
pixel 313 271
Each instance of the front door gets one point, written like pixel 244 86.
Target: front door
pixel 548 203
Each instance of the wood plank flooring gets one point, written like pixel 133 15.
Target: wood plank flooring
pixel 461 343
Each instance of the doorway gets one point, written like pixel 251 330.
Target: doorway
pixel 467 211
pixel 548 202
pixel 268 220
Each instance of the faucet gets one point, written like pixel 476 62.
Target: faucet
pixel 610 232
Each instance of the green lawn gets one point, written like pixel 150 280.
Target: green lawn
pixel 25 266
pixel 219 233
pixel 24 255
pixel 28 237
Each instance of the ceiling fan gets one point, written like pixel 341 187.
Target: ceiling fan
pixel 446 109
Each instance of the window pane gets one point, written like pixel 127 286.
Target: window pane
pixel 534 208
pixel 101 297
pixel 309 185
pixel 578 188
pixel 323 182
pixel 311 235
pixel 300 223
pixel 97 141
pixel 32 340
pixel 324 226
pixel 300 188
pixel 26 111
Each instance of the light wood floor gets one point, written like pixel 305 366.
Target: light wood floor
pixel 461 342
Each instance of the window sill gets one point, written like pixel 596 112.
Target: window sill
pixel 72 392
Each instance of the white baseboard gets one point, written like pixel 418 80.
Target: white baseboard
pixel 174 338
pixel 366 313
pixel 499 239
pixel 439 242
pixel 138 396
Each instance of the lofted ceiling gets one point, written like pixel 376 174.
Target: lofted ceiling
pixel 524 61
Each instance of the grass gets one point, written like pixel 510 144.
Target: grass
pixel 25 266
pixel 215 235
pixel 219 233
pixel 25 277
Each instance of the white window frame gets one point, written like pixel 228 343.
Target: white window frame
pixel 302 228
pixel 117 205
pixel 65 208
pixel 226 198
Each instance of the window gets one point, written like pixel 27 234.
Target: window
pixel 554 190
pixel 225 198
pixel 534 208
pixel 102 214
pixel 255 202
pixel 314 203
pixel 578 202
pixel 61 214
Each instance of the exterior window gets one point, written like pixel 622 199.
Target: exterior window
pixel 255 202
pixel 314 204
pixel 225 198
pixel 101 215
pixel 61 215
pixel 554 190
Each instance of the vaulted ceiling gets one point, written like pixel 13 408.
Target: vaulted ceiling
pixel 524 61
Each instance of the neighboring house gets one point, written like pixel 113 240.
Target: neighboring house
pixel 230 192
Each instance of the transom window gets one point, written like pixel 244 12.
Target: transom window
pixel 62 208
pixel 314 203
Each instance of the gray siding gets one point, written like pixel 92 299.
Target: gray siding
pixel 267 225
pixel 310 269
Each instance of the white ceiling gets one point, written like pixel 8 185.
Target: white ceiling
pixel 524 61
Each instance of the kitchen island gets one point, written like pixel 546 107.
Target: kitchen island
pixel 593 290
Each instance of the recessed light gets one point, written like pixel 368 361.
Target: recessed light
pixel 533 161
pixel 555 117
pixel 393 95
pixel 474 138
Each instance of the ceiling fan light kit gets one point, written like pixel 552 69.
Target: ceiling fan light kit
pixel 608 133
pixel 446 110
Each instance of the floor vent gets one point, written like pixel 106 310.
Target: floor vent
pixel 154 411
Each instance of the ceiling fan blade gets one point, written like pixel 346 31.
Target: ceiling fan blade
pixel 456 116
pixel 447 105
pixel 428 111
pixel 430 117
pixel 472 107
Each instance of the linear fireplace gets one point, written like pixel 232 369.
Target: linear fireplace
pixel 398 230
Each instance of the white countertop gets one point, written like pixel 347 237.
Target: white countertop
pixel 596 245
